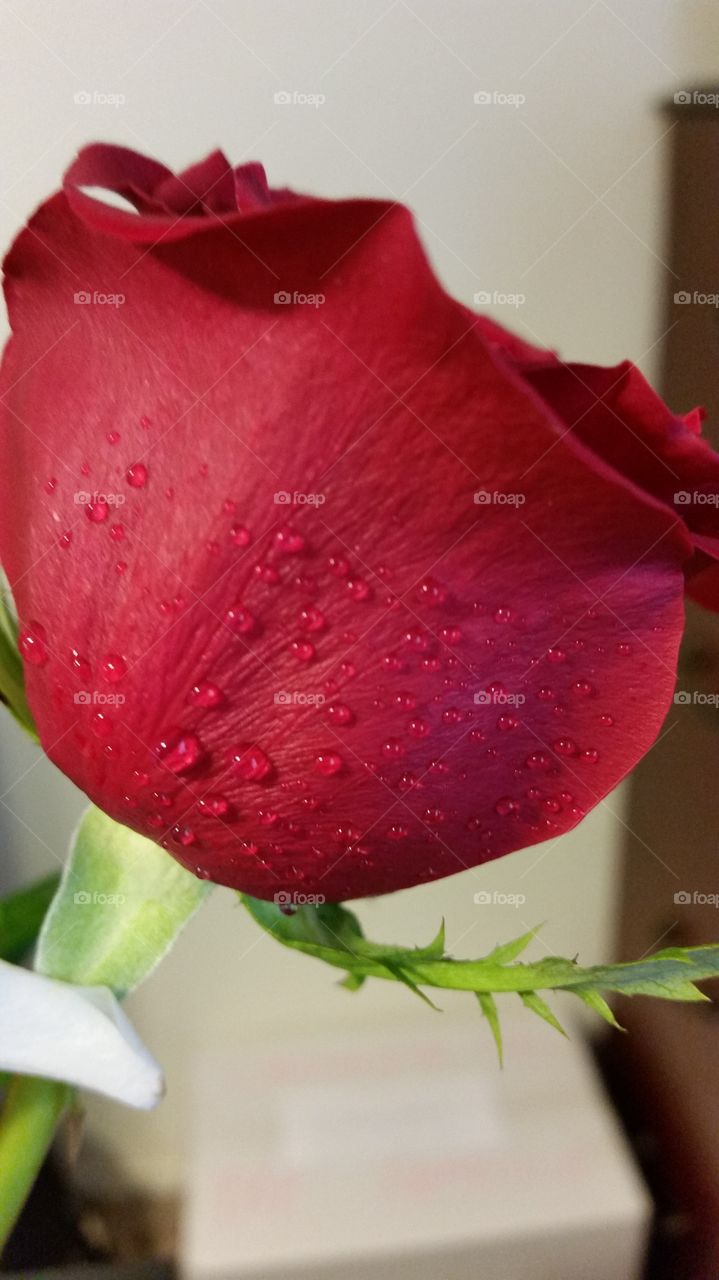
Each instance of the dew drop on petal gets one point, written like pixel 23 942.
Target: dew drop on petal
pixel 97 512
pixel 251 762
pixel 113 667
pixel 589 756
pixel 240 620
pixel 217 805
pixel 206 694
pixel 565 747
pixel 582 688
pixel 33 644
pixel 555 655
pixel 113 437
pixel 302 650
pixel 184 835
pixel 328 763
pixel 606 721
pixel 181 753
pixel 338 713
pixel 136 475
pixel 505 806
pixel 312 619
pixel 240 535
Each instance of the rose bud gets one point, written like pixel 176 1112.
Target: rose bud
pixel 324 582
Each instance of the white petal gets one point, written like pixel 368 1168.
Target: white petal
pixel 76 1034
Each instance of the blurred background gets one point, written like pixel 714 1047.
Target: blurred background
pixel 553 205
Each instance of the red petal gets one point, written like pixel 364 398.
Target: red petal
pixel 489 669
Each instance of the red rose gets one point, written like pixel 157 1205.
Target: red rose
pixel 324 583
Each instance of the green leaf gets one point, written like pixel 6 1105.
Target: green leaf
pixel 120 905
pixel 532 1001
pixel 334 934
pixel 21 915
pixel 12 679
pixel 488 1005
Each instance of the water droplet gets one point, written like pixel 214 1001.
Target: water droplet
pixel 33 644
pixel 546 694
pixel 450 635
pixel 434 816
pixel 393 749
pixel 565 747
pixel 289 541
pixel 312 619
pixel 503 615
pixel 140 778
pixel 505 806
pixel 184 835
pixel 97 512
pixel 66 539
pixel 240 620
pixel 113 667
pixel 397 831
pixel 240 535
pixel 121 567
pixel 217 805
pixel 624 649
pixel 537 760
pixel 267 817
pixel 251 762
pixel 583 688
pixel 432 592
pixel 607 721
pixel 589 756
pixel 113 437
pixel 117 532
pixel 550 804
pixel 100 725
pixel 359 590
pixel 338 566
pixel 162 799
pixel 180 753
pixel 206 694
pixel 338 713
pixel 418 728
pixel 555 655
pixel 452 715
pixel 506 723
pixel 302 650
pixel 136 475
pixel 51 485
pixel 328 763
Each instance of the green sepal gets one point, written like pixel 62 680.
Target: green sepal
pixel 121 903
pixel 12 678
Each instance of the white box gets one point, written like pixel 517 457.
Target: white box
pixel 411 1156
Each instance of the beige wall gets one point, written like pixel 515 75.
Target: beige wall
pixel 560 200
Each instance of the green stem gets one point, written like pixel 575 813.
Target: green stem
pixel 27 1125
pixel 21 915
